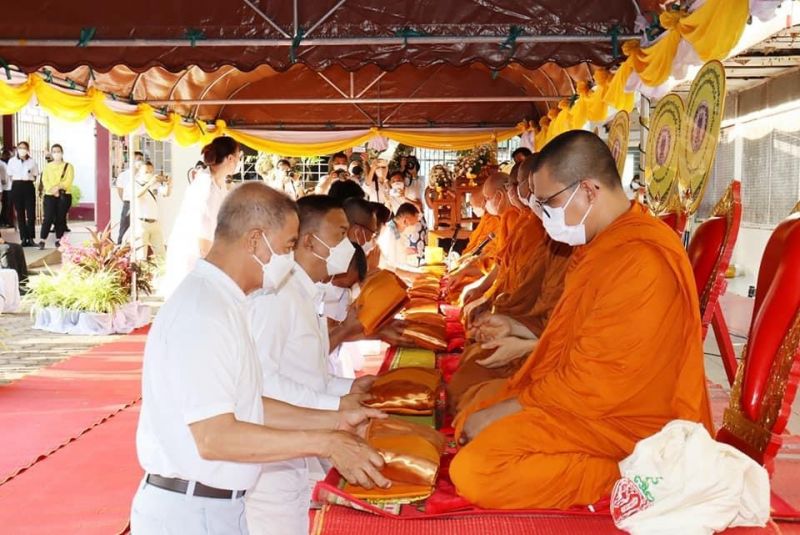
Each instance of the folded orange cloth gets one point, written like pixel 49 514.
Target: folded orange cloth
pixel 406 391
pixel 411 453
pixel 422 304
pixel 426 293
pixel 427 333
pixel 414 317
pixel 381 295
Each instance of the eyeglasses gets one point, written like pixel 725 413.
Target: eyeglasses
pixel 542 203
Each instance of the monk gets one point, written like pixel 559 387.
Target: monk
pixel 527 291
pixel 497 204
pixel 488 223
pixel 620 357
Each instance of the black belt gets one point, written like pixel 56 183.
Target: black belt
pixel 147 220
pixel 181 486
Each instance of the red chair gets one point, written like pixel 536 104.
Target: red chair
pixel 767 378
pixel 676 220
pixel 710 253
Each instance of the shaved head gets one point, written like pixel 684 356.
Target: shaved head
pixel 578 155
pixel 252 205
pixel 495 182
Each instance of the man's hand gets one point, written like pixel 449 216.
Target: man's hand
pixel 478 421
pixel 362 385
pixel 351 324
pixel 352 401
pixel 356 461
pixel 508 349
pixel 491 327
pixel 392 333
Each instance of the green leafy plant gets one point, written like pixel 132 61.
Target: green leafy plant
pixel 96 277
pixel 76 194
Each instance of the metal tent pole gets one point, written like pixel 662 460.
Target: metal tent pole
pixel 132 214
pixel 348 101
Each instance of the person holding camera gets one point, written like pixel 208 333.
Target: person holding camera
pixel 57 184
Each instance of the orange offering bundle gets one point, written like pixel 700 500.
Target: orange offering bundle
pixel 412 453
pixel 427 330
pixel 406 391
pixel 381 296
pixel 420 304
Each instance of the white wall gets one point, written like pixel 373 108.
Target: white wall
pixel 78 140
pixel 747 255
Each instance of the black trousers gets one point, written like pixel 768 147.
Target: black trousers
pixel 12 256
pixel 6 210
pixel 124 220
pixel 23 193
pixel 55 212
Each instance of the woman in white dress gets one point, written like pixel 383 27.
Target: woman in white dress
pixel 193 232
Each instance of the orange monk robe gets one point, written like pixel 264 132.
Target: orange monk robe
pixel 621 356
pixel 522 246
pixel 497 250
pixel 488 223
pixel 531 302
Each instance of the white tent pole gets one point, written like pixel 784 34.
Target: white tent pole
pixel 325 41
pixel 132 214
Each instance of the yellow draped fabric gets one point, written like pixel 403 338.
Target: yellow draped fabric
pixel 713 30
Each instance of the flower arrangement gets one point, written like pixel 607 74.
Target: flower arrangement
pixel 96 277
pixel 441 178
pixel 471 162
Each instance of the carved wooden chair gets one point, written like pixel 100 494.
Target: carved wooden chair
pixel 767 378
pixel 676 220
pixel 710 252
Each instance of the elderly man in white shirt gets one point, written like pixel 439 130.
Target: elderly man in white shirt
pixel 205 429
pixel 293 343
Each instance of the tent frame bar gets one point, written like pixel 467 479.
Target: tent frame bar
pixel 338 41
pixel 346 101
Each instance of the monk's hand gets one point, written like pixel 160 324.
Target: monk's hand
pixel 507 349
pixel 362 385
pixel 352 400
pixel 491 327
pixel 480 420
pixel 356 461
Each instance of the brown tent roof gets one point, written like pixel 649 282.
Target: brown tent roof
pixel 374 50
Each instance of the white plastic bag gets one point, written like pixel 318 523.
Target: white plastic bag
pixel 680 480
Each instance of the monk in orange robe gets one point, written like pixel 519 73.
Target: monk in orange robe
pixel 497 204
pixel 620 357
pixel 489 223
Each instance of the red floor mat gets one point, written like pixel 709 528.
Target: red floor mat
pixel 84 488
pixel 334 520
pixel 44 411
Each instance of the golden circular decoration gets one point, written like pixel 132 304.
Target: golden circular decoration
pixel 618 138
pixel 704 108
pixel 663 147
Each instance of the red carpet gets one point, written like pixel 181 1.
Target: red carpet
pixel 85 488
pixel 334 520
pixel 42 412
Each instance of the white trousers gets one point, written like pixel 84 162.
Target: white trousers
pixel 278 504
pixel 149 234
pixel 157 511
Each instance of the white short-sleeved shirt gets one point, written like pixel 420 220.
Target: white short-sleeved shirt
pixel 147 204
pixel 23 170
pixel 291 337
pixel 197 219
pixel 395 248
pixel 199 362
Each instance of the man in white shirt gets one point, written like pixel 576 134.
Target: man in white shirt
pixel 124 184
pixel 292 340
pixel 205 428
pixel 5 192
pixel 394 239
pixel 147 227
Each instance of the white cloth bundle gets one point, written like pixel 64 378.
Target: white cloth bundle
pixel 680 480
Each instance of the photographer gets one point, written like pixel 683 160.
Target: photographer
pixel 57 185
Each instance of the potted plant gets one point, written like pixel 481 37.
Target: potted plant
pixel 91 293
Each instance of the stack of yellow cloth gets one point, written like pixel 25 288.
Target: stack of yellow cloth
pixel 412 453
pixel 381 296
pixel 411 390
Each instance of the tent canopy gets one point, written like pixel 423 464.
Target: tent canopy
pixel 327 64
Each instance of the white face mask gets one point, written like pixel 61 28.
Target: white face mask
pixel 491 208
pixel 339 256
pixel 369 246
pixel 277 269
pixel 22 152
pixel 340 167
pixel 555 224
pixel 57 156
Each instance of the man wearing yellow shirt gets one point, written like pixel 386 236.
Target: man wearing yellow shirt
pixel 57 184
